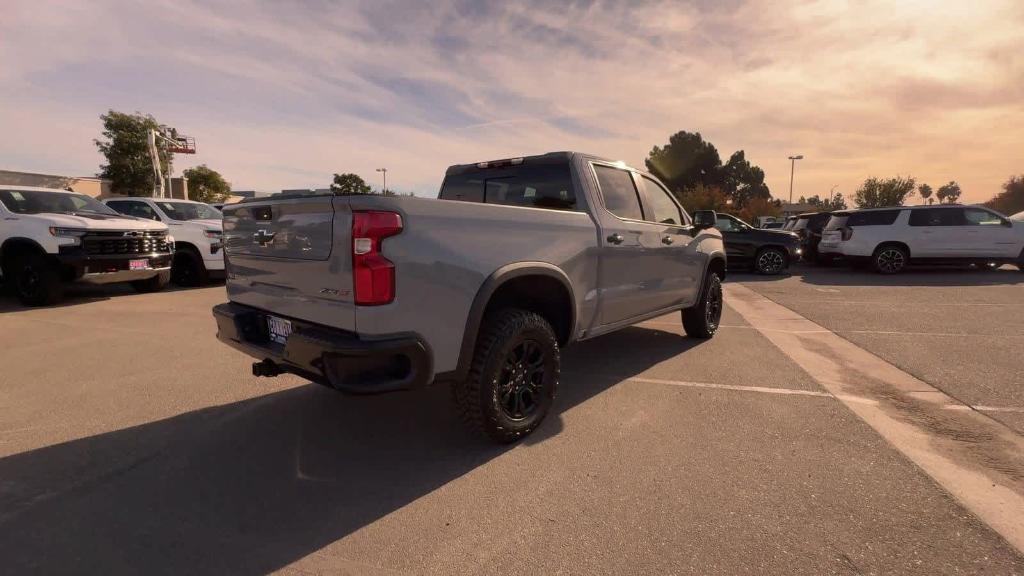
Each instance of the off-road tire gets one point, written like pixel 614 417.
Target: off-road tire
pixel 34 280
pixel 479 399
pixel 890 259
pixel 702 319
pixel 188 270
pixel 770 261
pixel 154 284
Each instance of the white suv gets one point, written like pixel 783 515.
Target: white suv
pixel 890 238
pixel 196 227
pixel 50 237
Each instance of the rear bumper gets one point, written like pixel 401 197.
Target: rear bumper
pixel 329 356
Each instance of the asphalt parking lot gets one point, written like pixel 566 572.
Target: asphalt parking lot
pixel 132 441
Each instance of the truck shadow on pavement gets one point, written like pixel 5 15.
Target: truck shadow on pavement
pixel 85 294
pixel 253 486
pixel 914 276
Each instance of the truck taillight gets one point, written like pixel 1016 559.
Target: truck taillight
pixel 373 275
pixel 847 233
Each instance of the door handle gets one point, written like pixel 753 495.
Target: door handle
pixel 616 238
pixel 667 240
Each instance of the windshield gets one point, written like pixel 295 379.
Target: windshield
pixel 800 224
pixel 40 202
pixel 1019 216
pixel 189 211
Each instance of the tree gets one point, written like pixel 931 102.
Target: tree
pixel 688 161
pixel 742 180
pixel 758 207
pixel 126 148
pixel 837 202
pixel 206 184
pixel 879 193
pixel 1011 199
pixel 948 192
pixel 704 198
pixel 926 193
pixel 350 184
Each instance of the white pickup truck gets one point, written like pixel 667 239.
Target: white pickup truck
pixel 196 227
pixel 49 238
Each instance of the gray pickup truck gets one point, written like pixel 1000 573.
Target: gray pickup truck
pixel 478 289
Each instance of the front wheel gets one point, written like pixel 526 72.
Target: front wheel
pixel 702 319
pixel 513 379
pixel 188 269
pixel 36 281
pixel 770 261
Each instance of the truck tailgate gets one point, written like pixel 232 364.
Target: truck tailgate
pixel 292 257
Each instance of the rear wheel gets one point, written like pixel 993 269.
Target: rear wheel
pixel 890 259
pixel 154 284
pixel 770 261
pixel 513 379
pixel 36 281
pixel 188 269
pixel 702 319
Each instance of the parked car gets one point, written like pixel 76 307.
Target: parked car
pixel 809 227
pixel 790 222
pixel 479 289
pixel 891 238
pixel 196 228
pixel 50 238
pixel 765 251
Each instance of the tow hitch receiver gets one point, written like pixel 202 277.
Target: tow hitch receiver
pixel 266 368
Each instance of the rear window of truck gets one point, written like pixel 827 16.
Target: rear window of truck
pixel 534 185
pixel 856 219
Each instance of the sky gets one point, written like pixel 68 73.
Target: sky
pixel 283 94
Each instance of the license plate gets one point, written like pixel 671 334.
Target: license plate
pixel 138 264
pixel 279 329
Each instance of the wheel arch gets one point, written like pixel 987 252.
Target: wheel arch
pixel 13 245
pixel 896 243
pixel 535 286
pixel 185 245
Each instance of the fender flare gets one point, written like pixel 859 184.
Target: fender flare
pixel 483 297
pixel 19 240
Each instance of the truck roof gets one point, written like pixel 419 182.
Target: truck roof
pixel 539 158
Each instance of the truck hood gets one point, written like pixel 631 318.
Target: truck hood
pixel 775 235
pixel 95 221
pixel 209 224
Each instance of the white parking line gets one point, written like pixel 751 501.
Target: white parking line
pixel 802 392
pixel 976 459
pixel 762 389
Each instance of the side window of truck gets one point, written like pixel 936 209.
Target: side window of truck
pixel 619 192
pixel 665 210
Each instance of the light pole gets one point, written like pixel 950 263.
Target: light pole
pixel 384 171
pixel 792 168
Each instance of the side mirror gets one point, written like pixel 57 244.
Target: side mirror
pixel 704 219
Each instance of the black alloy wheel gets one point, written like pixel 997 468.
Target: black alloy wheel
pixel 770 261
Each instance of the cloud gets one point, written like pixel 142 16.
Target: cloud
pixel 282 95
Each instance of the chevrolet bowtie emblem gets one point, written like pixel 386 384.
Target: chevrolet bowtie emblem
pixel 263 238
